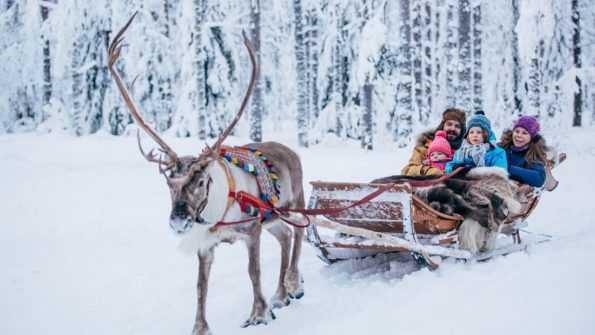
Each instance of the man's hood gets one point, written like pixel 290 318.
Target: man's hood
pixel 425 138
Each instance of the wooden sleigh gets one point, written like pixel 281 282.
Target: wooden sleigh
pixel 398 221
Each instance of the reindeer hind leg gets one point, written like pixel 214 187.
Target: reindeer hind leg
pixel 293 280
pixel 261 314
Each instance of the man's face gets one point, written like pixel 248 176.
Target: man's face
pixel 452 128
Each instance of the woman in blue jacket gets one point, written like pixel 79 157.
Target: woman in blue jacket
pixel 525 151
pixel 479 147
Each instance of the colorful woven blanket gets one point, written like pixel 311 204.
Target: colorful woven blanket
pixel 254 162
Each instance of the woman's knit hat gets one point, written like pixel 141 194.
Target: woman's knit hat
pixel 479 120
pixel 529 123
pixel 440 144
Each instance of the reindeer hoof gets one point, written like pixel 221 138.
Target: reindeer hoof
pixel 279 303
pixel 297 295
pixel 257 320
pixel 202 331
pixel 295 288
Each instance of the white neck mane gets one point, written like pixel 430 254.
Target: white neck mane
pixel 218 191
pixel 200 237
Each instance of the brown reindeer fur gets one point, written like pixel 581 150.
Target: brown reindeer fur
pixel 200 238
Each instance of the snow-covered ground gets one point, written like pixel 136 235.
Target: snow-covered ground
pixel 85 248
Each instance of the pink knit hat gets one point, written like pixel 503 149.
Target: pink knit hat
pixel 440 144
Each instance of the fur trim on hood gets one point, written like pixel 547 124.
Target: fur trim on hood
pixel 425 137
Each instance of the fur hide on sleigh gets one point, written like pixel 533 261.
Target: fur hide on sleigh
pixel 484 197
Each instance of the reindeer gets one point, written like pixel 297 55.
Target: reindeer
pixel 199 188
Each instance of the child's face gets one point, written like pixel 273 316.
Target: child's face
pixel 475 135
pixel 520 137
pixel 437 156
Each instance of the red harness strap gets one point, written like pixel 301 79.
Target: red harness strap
pixel 244 199
pixel 379 191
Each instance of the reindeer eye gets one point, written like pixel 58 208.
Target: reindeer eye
pixel 200 183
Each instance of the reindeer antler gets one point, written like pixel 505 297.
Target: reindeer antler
pixel 114 52
pixel 215 148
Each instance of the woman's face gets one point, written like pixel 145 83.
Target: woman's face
pixel 475 135
pixel 520 137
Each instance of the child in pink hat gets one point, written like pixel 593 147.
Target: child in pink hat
pixel 439 152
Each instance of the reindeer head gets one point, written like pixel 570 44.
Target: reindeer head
pixel 188 177
pixel 188 184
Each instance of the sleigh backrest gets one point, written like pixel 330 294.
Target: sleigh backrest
pixel 385 213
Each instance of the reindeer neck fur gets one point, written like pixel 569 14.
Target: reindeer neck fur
pixel 219 191
pixel 200 237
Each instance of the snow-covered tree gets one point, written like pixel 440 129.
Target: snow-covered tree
pixel 427 44
pixel 89 73
pixel 376 71
pixel 45 8
pixel 576 57
pixel 465 61
pixel 477 102
pixel 516 57
pixel 301 80
pixel 403 117
pixel 312 52
pixel 256 110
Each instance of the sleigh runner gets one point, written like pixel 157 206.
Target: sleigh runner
pixel 399 221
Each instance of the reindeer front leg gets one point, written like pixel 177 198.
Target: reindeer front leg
pixel 205 260
pixel 260 310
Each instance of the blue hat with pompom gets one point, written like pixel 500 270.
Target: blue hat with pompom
pixel 479 120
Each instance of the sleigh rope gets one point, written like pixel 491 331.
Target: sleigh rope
pixel 252 161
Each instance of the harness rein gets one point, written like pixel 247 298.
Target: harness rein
pixel 245 199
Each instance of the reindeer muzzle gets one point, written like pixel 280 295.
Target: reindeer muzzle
pixel 180 220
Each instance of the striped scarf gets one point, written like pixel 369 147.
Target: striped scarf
pixel 476 152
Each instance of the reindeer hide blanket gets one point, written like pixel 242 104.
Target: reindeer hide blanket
pixel 483 194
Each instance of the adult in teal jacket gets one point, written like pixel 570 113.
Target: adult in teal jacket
pixel 479 146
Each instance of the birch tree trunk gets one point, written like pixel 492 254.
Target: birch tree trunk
pixel 576 53
pixel 535 81
pixel 403 115
pixel 78 89
pixel 339 72
pixel 416 54
pixel 200 97
pixel 451 51
pixel 465 61
pixel 368 96
pixel 165 73
pixel 47 60
pixel 302 87
pixel 477 72
pixel 428 42
pixel 256 109
pixel 437 57
pixel 516 58
pixel 312 70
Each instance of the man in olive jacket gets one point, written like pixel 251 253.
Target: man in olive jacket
pixel 453 124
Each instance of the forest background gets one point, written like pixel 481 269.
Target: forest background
pixel 377 71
